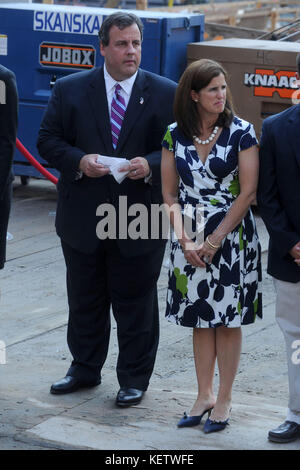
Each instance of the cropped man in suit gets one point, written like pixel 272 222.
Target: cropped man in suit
pixel 81 122
pixel 279 202
pixel 8 133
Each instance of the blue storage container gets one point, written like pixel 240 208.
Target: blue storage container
pixel 41 43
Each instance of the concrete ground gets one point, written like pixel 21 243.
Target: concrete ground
pixel 33 318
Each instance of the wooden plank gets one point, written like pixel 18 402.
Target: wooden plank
pixel 207 7
pixel 223 31
pixel 141 4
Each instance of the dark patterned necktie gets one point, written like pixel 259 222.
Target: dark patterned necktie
pixel 118 108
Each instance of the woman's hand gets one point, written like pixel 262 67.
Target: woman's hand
pixel 207 252
pixel 191 253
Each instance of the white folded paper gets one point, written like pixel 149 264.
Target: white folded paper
pixel 114 163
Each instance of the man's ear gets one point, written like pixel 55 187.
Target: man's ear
pixel 102 49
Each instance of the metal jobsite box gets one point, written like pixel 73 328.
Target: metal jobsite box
pixel 42 42
pixel 261 74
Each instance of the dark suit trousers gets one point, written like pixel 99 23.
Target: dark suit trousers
pixel 106 279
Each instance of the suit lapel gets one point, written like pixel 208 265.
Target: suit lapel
pixel 98 100
pixel 293 132
pixel 137 105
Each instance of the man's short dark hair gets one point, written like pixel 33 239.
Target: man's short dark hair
pixel 121 20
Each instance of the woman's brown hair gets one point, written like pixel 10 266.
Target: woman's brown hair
pixel 197 76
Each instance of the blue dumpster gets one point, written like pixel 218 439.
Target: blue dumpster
pixel 41 43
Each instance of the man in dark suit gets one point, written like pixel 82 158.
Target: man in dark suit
pixel 120 271
pixel 8 133
pixel 279 202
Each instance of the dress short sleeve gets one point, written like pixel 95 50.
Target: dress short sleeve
pixel 168 140
pixel 248 138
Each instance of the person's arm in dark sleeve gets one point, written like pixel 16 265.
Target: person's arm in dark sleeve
pixel 55 137
pixel 8 126
pixel 283 236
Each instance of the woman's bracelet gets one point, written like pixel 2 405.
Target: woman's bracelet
pixel 214 247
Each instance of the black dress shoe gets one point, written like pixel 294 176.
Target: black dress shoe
pixel 286 432
pixel 70 384
pixel 129 396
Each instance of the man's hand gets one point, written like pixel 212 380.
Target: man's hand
pixel 295 253
pixel 138 168
pixel 89 166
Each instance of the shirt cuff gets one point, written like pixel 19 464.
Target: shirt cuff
pixel 79 175
pixel 148 179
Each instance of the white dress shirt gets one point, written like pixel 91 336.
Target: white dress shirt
pixel 110 83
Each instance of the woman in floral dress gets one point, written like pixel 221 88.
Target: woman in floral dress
pixel 209 180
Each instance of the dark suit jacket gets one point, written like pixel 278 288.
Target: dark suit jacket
pixel 279 190
pixel 8 133
pixel 76 123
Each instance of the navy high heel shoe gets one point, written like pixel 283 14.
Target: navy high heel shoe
pixel 214 426
pixel 190 421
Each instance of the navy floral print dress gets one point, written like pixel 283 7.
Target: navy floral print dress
pixel 227 291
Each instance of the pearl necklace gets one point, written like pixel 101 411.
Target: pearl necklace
pixel 209 139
